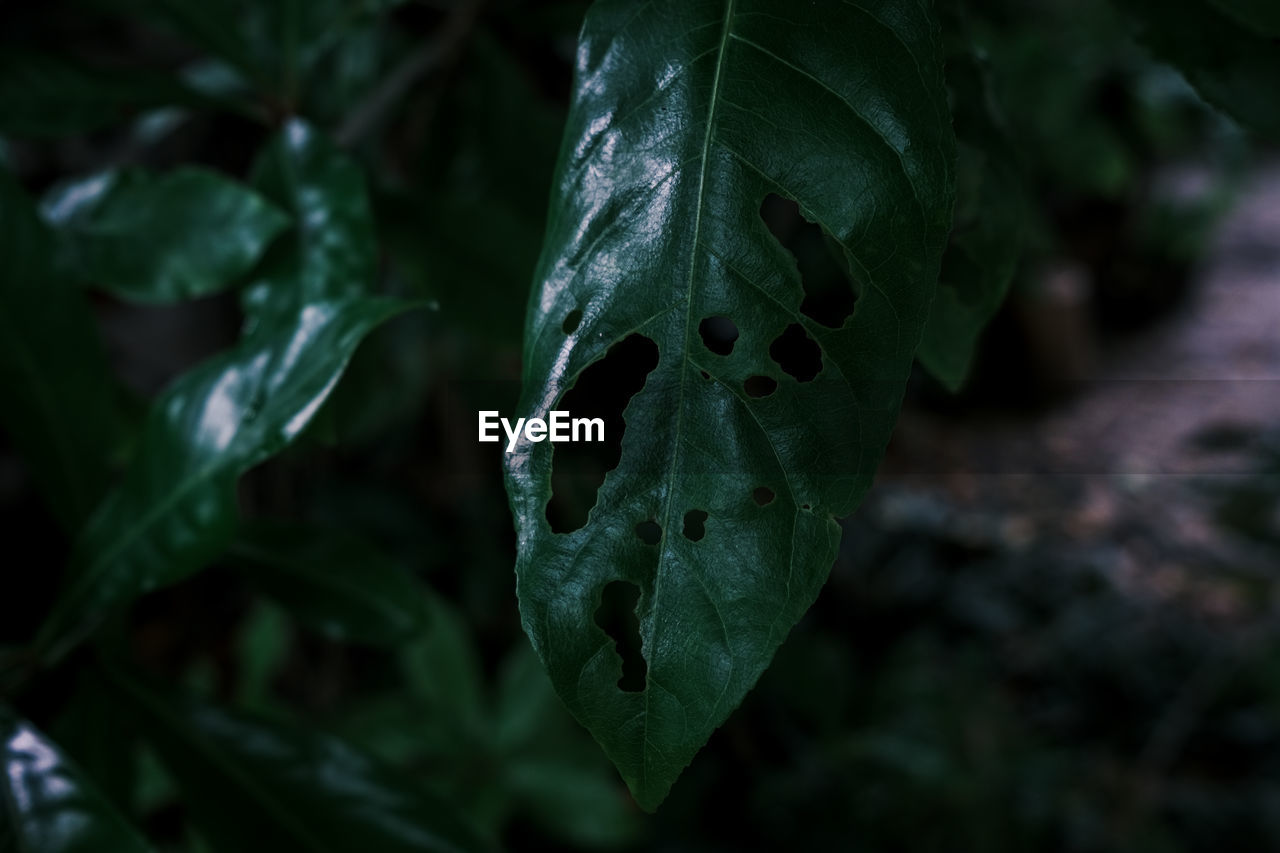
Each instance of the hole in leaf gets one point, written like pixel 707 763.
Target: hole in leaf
pixel 719 334
pixel 650 532
pixel 695 524
pixel 760 386
pixel 571 321
pixel 763 496
pixel 705 375
pixel 616 616
pixel 828 296
pixel 797 353
pixel 578 468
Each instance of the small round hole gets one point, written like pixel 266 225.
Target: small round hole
pixel 760 386
pixel 719 334
pixel 763 496
pixel 695 524
pixel 571 321
pixel 650 532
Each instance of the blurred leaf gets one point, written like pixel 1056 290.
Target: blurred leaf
pixel 332 580
pixel 442 669
pixel 1261 15
pixel 1233 67
pixel 47 805
pixel 685 118
pixel 176 509
pixel 274 43
pixel 150 238
pixel 45 96
pixel 55 390
pixel 255 785
pixel 987 235
pixel 551 769
pixel 262 646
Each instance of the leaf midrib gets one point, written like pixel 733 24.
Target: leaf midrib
pixel 708 136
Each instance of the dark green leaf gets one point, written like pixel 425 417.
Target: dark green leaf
pixel 275 43
pixel 55 391
pixel 46 96
pixel 987 236
pixel 686 116
pixel 151 238
pixel 176 508
pixel 1233 67
pixel 1261 15
pixel 254 785
pixel 332 580
pixel 46 804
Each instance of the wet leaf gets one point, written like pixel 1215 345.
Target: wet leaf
pixel 176 509
pixel 686 118
pixel 47 804
pixel 161 238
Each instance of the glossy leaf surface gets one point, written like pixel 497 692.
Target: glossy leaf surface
pixel 1233 66
pixel 686 116
pixel 161 238
pixel 55 390
pixel 335 581
pixel 176 508
pixel 46 803
pixel 254 785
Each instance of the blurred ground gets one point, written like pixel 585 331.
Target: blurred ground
pixel 1137 459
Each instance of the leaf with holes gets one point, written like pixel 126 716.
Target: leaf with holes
pixel 748 391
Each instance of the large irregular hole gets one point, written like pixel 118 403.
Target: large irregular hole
pixel 571 321
pixel 695 524
pixel 824 274
pixel 763 496
pixel 578 468
pixel 796 353
pixel 650 532
pixel 719 334
pixel 617 617
pixel 760 386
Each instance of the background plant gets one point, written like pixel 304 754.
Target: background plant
pixel 264 261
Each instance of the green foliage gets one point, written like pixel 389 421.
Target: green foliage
pixel 175 509
pixel 1233 66
pixel 255 785
pixel 332 580
pixel 673 180
pixel 53 376
pixel 46 803
pixel 762 213
pixel 149 238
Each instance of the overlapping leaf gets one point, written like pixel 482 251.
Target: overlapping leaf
pixel 176 508
pixel 55 390
pixel 46 803
pixel 685 117
pixel 162 238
